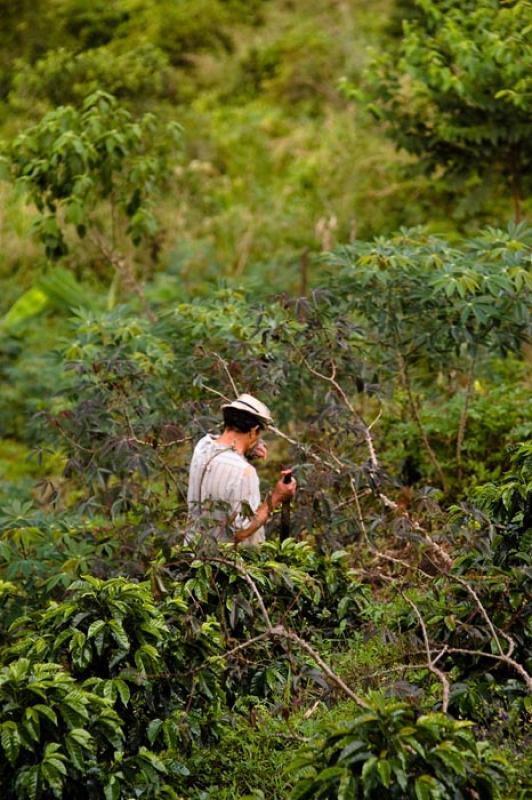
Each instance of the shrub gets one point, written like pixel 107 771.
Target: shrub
pixel 55 733
pixel 389 752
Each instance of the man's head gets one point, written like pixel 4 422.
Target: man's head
pixel 246 415
pixel 250 406
pixel 241 421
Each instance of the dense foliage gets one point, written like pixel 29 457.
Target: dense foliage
pixel 389 750
pixel 458 96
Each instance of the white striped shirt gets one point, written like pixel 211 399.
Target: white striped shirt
pixel 220 475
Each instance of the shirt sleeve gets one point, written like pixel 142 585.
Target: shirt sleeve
pixel 248 499
pixel 250 494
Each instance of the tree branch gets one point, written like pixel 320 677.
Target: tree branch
pixel 431 662
pixel 365 428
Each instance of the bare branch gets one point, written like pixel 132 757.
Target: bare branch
pixel 365 429
pixel 431 662
pixel 405 380
pixel 223 363
pixel 160 445
pixel 463 415
pixel 307 450
pixel 393 560
pixel 360 518
pixel 481 608
pixel 124 269
pixel 260 638
pixel 249 580
pixel 281 632
pixel 216 392
pixel 505 660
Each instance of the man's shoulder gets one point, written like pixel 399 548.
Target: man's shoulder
pixel 203 443
pixel 208 448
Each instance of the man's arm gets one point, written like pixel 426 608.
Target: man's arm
pixel 273 500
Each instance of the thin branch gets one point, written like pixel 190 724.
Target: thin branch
pixel 505 660
pixel 386 557
pixel 216 392
pixel 249 580
pixel 431 662
pixel 307 450
pixel 405 380
pixel 124 270
pixel 481 608
pixel 463 415
pixel 365 429
pixel 393 506
pixel 260 638
pixel 281 632
pixel 160 445
pixel 360 518
pixel 377 418
pixel 223 362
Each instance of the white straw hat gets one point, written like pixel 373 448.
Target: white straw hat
pixel 246 402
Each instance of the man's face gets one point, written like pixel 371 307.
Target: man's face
pixel 254 436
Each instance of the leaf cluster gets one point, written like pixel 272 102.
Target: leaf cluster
pixel 390 751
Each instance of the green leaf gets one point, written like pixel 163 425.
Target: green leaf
pixel 153 729
pixel 384 771
pixel 123 690
pixel 27 306
pixel 426 788
pixel 47 712
pixel 329 773
pixel 368 771
pixel 112 789
pixel 10 738
pixel 353 747
pixel 347 787
pixel 451 757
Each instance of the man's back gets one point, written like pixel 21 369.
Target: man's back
pixel 220 475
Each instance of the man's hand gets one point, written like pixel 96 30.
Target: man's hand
pixel 259 451
pixel 284 491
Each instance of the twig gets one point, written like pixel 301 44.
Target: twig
pixel 281 632
pixel 307 450
pixel 310 711
pixel 249 580
pixel 463 415
pixel 160 445
pixel 431 662
pixel 260 638
pixel 365 429
pixel 386 557
pixel 223 362
pixel 360 518
pixel 481 608
pixel 124 270
pixel 505 659
pixel 393 506
pixel 215 391
pixel 405 380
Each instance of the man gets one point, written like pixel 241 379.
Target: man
pixel 223 490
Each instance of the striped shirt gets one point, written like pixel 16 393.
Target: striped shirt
pixel 223 486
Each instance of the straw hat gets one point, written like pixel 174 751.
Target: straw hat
pixel 246 402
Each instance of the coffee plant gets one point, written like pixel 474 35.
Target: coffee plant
pixel 388 751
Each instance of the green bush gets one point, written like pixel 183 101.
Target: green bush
pixel 55 733
pixel 390 752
